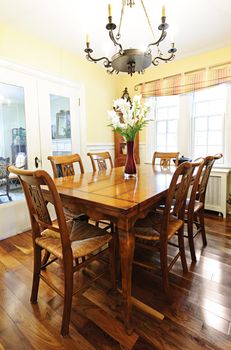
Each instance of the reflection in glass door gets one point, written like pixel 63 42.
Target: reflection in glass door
pixel 60 125
pixel 13 145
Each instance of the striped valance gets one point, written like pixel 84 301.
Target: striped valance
pixel 187 81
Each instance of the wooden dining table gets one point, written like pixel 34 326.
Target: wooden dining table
pixel 108 195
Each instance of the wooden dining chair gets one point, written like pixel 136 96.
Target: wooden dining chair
pixel 64 165
pixel 195 205
pixel 67 242
pixel 100 158
pixel 165 158
pixel 156 230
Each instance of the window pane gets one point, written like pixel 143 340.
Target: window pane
pixel 214 138
pixel 202 108
pixel 200 151
pixel 217 107
pixel 200 124
pixel 216 123
pixel 173 112
pixel 171 140
pixel 161 127
pixel 200 138
pixel 209 130
pixel 161 140
pixel 172 126
pixel 161 114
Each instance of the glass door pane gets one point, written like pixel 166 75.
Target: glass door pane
pixel 13 145
pixel 60 125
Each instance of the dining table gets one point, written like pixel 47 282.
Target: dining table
pixel 108 195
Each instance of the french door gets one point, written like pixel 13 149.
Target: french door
pixel 38 117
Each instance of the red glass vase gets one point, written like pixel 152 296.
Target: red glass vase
pixel 130 165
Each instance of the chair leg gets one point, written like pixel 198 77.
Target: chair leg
pixel 190 238
pixel 202 225
pixel 164 268
pixel 45 259
pixel 68 293
pixel 36 274
pixel 182 250
pixel 8 190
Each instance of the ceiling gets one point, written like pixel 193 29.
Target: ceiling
pixel 197 25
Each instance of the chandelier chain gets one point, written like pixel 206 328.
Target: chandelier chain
pixel 148 20
pixel 118 35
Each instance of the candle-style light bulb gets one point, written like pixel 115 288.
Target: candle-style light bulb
pixel 109 10
pixel 87 39
pixel 163 11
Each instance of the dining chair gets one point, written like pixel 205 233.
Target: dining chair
pixel 156 230
pixel 100 158
pixel 165 158
pixel 195 205
pixel 73 244
pixel 64 165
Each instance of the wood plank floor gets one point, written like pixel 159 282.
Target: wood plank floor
pixel 198 317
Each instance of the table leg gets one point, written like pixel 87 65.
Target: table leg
pixel 127 244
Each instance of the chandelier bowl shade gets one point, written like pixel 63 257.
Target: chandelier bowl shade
pixel 133 59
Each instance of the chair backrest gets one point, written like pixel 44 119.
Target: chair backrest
pixel 64 165
pixel 165 158
pixel 39 215
pixel 177 193
pixel 4 162
pixel 208 164
pixel 100 158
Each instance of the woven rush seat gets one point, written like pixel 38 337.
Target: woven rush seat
pixel 85 239
pixel 197 205
pixel 149 228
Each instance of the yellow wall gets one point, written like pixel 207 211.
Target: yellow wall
pixel 100 88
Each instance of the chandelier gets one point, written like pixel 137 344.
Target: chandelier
pixel 132 60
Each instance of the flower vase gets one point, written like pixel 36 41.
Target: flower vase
pixel 130 165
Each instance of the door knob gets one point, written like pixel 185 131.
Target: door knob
pixel 36 162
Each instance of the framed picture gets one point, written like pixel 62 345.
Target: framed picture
pixel 63 125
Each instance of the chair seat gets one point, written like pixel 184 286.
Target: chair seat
pixel 85 239
pixel 197 205
pixel 149 228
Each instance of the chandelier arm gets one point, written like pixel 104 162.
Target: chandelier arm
pixel 161 38
pixel 111 34
pixel 157 59
pixel 106 63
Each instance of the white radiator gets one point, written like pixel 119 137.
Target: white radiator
pixel 217 191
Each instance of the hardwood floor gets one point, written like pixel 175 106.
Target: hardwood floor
pixel 197 317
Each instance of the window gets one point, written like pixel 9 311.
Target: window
pixel 167 113
pixel 208 119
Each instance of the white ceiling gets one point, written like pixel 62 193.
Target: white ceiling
pixel 197 25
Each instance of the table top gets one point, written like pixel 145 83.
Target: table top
pixel 110 189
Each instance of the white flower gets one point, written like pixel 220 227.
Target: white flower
pixel 128 119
